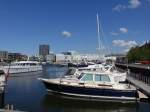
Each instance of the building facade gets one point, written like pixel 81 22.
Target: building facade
pixel 51 58
pixel 44 50
pixel 67 57
pixel 3 55
pixel 17 57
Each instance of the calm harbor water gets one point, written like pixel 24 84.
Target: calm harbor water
pixel 27 93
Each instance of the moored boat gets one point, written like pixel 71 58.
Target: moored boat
pixel 22 67
pixel 92 86
pixel 2 81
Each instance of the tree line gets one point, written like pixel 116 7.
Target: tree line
pixel 139 53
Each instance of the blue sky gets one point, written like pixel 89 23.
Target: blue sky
pixel 71 24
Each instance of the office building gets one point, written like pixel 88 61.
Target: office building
pixel 43 50
pixel 3 55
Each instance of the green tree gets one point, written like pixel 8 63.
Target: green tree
pixel 139 53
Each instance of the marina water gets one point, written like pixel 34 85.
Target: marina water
pixel 27 93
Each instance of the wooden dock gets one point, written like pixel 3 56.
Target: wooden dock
pixel 139 75
pixel 144 88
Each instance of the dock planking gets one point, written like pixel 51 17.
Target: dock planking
pixel 139 75
pixel 145 88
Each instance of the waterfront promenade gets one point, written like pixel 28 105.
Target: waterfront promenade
pixel 139 75
pixel 140 85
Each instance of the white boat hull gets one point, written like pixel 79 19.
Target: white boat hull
pixel 21 69
pixel 2 82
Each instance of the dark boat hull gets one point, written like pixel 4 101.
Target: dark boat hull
pixel 92 93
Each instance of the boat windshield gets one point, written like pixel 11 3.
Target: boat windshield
pixel 102 77
pixel 86 77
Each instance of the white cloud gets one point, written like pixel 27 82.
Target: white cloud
pixel 123 43
pixel 66 34
pixel 119 7
pixel 126 50
pixel 114 33
pixel 134 4
pixel 123 30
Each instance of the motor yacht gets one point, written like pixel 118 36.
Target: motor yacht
pixel 22 67
pixel 91 85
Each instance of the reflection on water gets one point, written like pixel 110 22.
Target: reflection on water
pixel 29 94
pixel 1 100
pixel 57 102
pixel 53 71
pixel 24 92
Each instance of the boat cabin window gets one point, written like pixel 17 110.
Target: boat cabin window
pixel 87 77
pixel 97 78
pixel 102 77
pixel 33 64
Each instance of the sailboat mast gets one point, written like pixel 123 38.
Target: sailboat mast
pixel 98 32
